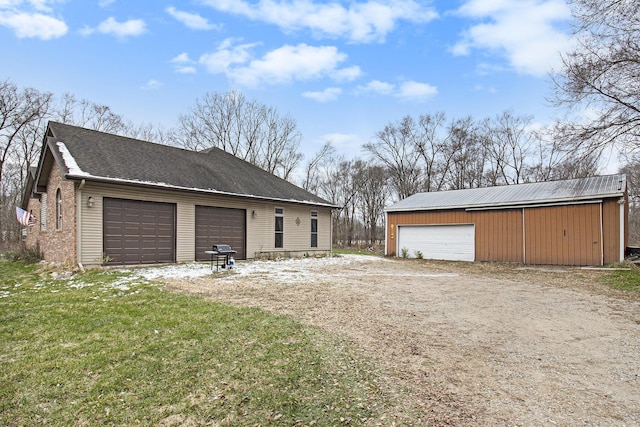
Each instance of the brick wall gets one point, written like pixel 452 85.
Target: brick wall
pixel 57 244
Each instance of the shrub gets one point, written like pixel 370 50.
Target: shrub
pixel 27 255
pixel 404 252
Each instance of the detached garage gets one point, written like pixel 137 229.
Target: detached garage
pixel 571 222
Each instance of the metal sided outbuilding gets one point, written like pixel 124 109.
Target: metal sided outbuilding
pixel 570 222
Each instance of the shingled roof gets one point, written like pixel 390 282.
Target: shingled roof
pixel 99 156
pixel 565 191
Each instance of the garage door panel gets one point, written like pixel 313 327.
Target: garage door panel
pixel 215 225
pixel 138 232
pixel 454 242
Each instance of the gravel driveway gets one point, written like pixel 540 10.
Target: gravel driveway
pixel 475 344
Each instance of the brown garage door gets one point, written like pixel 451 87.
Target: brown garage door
pixel 137 232
pixel 220 226
pixel 563 235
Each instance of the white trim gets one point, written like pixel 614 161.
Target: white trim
pixel 524 240
pixel 79 223
pixel 601 236
pixel 543 205
pixel 386 226
pixel 621 202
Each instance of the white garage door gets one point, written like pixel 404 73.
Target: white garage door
pixel 450 242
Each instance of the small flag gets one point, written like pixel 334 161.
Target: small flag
pixel 24 217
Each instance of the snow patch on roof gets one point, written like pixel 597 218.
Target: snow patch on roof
pixel 69 161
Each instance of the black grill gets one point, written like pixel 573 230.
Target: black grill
pixel 223 249
pixel 220 253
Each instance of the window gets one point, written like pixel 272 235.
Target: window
pixel 58 210
pixel 43 211
pixel 279 243
pixel 314 229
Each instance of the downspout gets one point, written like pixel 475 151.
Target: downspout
pixel 622 231
pixel 524 241
pixel 601 237
pixel 386 225
pixel 79 225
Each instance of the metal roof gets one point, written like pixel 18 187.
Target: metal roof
pixel 549 192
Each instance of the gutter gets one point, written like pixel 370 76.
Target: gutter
pixel 162 186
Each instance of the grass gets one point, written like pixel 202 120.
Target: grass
pixel 107 348
pixel 355 251
pixel 628 280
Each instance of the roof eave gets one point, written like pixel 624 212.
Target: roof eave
pixel 514 205
pixel 163 186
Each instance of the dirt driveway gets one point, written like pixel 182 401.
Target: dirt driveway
pixel 475 344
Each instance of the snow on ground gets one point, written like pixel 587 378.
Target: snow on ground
pixel 287 270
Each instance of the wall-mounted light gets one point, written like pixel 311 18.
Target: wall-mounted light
pixel 90 202
pixel 253 214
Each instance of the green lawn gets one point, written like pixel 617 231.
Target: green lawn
pixel 628 280
pixel 106 348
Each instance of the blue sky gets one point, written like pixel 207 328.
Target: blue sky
pixel 342 70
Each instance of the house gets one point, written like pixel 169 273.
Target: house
pixel 571 222
pixel 107 199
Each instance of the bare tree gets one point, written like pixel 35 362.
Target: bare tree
pixel 373 183
pixel 314 166
pixel 631 168
pixel 510 146
pixel 244 128
pixel 21 111
pixel 465 157
pixel 87 114
pixel 396 148
pixel 600 75
pixel 431 145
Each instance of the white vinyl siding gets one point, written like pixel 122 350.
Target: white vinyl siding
pixel 260 228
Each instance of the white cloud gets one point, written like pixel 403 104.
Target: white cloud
pixel 408 90
pixel 33 25
pixel 106 3
pixel 183 64
pixel 227 56
pixel 527 32
pixel 347 74
pixel 416 91
pixel 347 144
pixel 152 85
pixel 132 27
pixel 329 94
pixel 191 20
pixel 358 22
pixel 376 86
pixel 279 66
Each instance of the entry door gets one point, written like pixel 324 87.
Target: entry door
pixel 216 225
pixel 454 242
pixel 138 232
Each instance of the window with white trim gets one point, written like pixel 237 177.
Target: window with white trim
pixel 279 228
pixel 314 229
pixel 58 210
pixel 43 211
